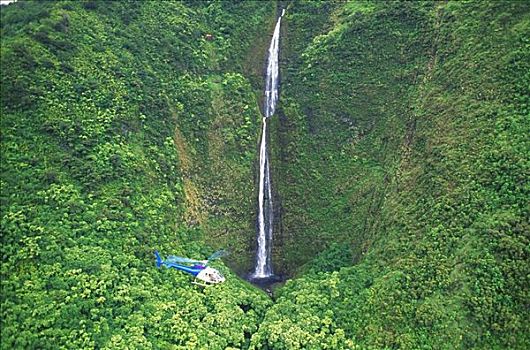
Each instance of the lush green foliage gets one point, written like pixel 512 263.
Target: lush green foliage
pixel 114 114
pixel 405 135
pixel 400 154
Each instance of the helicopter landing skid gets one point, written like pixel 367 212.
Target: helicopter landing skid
pixel 201 284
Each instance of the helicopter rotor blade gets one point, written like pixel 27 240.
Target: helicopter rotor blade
pixel 178 259
pixel 218 254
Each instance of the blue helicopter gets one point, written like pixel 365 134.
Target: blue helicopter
pixel 197 268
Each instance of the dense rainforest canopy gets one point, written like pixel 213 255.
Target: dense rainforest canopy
pixel 400 159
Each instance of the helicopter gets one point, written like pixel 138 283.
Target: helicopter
pixel 197 268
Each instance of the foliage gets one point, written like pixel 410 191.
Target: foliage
pixel 400 165
pixel 402 135
pixel 97 98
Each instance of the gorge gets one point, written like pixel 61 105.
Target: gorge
pixel 398 154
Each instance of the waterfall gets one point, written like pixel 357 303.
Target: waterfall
pixel 263 267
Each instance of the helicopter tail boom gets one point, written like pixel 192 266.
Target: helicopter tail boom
pixel 158 259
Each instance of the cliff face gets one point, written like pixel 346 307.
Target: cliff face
pixel 349 88
pixel 399 159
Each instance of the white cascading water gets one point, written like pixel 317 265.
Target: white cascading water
pixel 263 267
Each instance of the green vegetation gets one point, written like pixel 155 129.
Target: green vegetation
pixel 121 123
pixel 400 165
pixel 403 136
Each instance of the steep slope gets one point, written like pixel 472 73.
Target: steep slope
pixel 404 137
pixel 126 127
